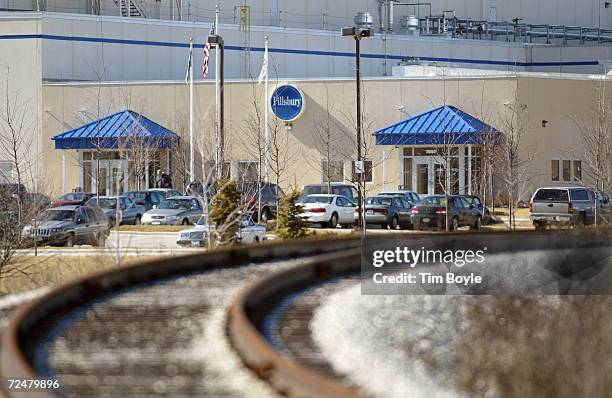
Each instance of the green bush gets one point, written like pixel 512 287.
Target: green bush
pixel 290 222
pixel 224 211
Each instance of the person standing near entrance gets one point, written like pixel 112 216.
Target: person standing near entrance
pixel 163 180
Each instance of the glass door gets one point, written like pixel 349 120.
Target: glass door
pixel 428 175
pixel 110 177
pixel 421 178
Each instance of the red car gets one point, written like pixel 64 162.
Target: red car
pixel 73 198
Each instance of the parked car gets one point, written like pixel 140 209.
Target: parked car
pixel 431 212
pixel 72 199
pixel 271 194
pixel 387 211
pixel 68 226
pixel 562 206
pixel 177 210
pixel 13 194
pixel 148 199
pixel 408 196
pixel 129 212
pixel 248 232
pixel 167 192
pixel 196 188
pixel 604 207
pixel 485 213
pixel 328 210
pixel 337 188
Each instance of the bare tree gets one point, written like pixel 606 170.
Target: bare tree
pixel 17 205
pixel 596 132
pixel 515 158
pixel 330 140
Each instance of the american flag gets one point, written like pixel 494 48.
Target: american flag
pixel 207 53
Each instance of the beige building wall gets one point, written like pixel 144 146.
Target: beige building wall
pixel 557 100
pixel 21 96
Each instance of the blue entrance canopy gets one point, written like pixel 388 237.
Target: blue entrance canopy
pixel 443 125
pixel 122 129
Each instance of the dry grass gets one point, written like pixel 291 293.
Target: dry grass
pixel 536 347
pixel 29 272
pixel 153 228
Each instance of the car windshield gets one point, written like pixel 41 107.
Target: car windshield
pixel 202 221
pixel 136 195
pixel 105 203
pixel 312 189
pixel 433 200
pixel 56 215
pixel 72 196
pixel 176 204
pixel 551 195
pixel 318 199
pixel 376 200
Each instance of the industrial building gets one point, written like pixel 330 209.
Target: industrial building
pixel 71 63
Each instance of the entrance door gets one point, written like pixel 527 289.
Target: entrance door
pixel 111 176
pixel 420 176
pixel 428 175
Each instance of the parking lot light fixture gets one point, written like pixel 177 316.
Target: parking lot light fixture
pixel 358 34
pixel 217 41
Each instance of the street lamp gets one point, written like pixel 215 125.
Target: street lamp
pixel 217 41
pixel 358 34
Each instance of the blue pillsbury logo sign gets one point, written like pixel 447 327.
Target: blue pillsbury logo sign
pixel 287 102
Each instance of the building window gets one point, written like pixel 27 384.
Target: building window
pixel 6 171
pixel 226 169
pixel 248 170
pixel 554 170
pixel 577 170
pixel 566 170
pixel 367 171
pixel 332 170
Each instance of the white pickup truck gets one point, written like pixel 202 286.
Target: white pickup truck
pixel 565 206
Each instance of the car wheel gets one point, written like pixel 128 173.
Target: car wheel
pixel 137 220
pixel 333 221
pixel 256 240
pixel 265 215
pixel 580 222
pixel 477 224
pixel 394 222
pixel 539 227
pixel 185 222
pixel 111 222
pixel 69 240
pixel 455 224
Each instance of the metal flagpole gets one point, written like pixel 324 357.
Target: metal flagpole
pixel 266 117
pixel 218 159
pixel 191 129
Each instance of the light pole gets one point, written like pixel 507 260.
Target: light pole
pixel 217 41
pixel 358 34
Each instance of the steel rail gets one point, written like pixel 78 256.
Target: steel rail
pixel 293 379
pixel 13 360
pixel 288 377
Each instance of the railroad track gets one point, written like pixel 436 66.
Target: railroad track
pixel 161 328
pixel 155 329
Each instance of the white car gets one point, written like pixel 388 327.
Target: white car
pixel 328 210
pixel 248 232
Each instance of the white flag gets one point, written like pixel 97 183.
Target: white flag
pixel 263 75
pixel 189 61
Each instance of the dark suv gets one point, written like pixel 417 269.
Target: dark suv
pixel 271 194
pixel 68 226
